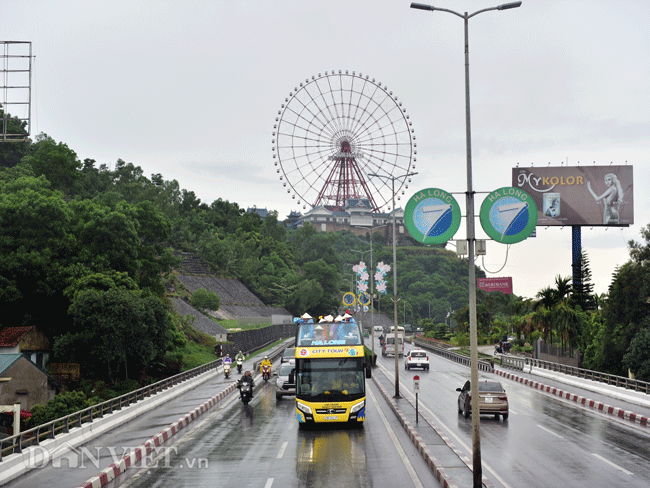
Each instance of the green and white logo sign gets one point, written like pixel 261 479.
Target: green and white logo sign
pixel 432 216
pixel 508 215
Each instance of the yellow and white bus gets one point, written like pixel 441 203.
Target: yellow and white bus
pixel 330 372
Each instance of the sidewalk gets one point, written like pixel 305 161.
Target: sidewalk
pixel 615 393
pixel 448 465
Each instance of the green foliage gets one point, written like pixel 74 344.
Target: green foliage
pixel 195 355
pixel 114 331
pixel 92 247
pixel 204 300
pixel 61 405
pixel 637 358
pixel 199 337
pixel 56 161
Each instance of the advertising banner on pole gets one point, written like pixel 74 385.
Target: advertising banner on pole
pixel 503 285
pixel 579 195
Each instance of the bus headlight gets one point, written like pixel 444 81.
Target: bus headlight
pixel 303 408
pixel 357 407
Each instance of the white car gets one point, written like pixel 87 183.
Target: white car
pixel 417 358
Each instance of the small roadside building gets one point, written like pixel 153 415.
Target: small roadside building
pixel 21 381
pixel 28 341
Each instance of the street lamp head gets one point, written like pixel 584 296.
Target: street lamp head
pixel 506 6
pixel 422 6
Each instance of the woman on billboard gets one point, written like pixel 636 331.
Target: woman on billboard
pixel 611 198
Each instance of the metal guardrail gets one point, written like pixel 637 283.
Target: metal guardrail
pixel 514 362
pixel 519 363
pixel 49 430
pixel 33 436
pixel 609 379
pixel 483 365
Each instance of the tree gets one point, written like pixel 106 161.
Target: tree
pixel 57 162
pixel 61 405
pixel 205 300
pixel 583 292
pixel 12 152
pixel 637 358
pixel 307 295
pixel 35 243
pixel 114 331
pixel 625 311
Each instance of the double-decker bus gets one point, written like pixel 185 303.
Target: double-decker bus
pixel 331 371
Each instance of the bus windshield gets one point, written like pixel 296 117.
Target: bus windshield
pixel 327 333
pixel 330 379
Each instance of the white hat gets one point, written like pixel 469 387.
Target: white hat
pixel 329 318
pixel 338 318
pixel 305 316
pixel 347 316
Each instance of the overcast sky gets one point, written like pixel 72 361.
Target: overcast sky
pixel 190 89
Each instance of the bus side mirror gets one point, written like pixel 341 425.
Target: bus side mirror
pixel 368 370
pixel 292 375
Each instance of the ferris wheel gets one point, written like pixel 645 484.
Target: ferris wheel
pixel 335 130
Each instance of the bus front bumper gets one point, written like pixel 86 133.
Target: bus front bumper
pixel 316 413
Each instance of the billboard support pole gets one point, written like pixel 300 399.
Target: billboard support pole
pixel 576 248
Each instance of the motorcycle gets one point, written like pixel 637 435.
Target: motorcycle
pixel 266 372
pixel 226 370
pixel 240 364
pixel 245 392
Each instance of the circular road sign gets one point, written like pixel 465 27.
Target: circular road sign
pixel 349 299
pixel 508 215
pixel 363 298
pixel 432 216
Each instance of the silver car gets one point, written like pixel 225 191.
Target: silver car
pixel 283 385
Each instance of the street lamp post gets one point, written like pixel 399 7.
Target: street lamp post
pixel 396 338
pixel 476 439
pixel 372 287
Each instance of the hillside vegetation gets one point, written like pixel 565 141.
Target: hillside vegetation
pixel 88 251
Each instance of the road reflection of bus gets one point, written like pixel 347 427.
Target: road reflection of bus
pixel 330 457
pixel 330 371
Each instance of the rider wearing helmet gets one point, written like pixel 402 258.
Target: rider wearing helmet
pixel 227 359
pixel 265 362
pixel 247 378
pixel 239 356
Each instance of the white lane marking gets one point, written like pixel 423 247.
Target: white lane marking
pixel 550 432
pixel 398 446
pixel 281 453
pixel 612 464
pixel 269 483
pixel 449 431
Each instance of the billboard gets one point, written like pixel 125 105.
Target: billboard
pixel 579 195
pixel 503 285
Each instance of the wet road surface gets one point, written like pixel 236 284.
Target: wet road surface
pixel 545 442
pixel 260 445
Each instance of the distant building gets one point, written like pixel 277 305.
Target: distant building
pixel 293 220
pixel 21 381
pixel 357 217
pixel 28 341
pixel 262 212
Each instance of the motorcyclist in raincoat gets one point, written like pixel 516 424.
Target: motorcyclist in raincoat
pixel 265 362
